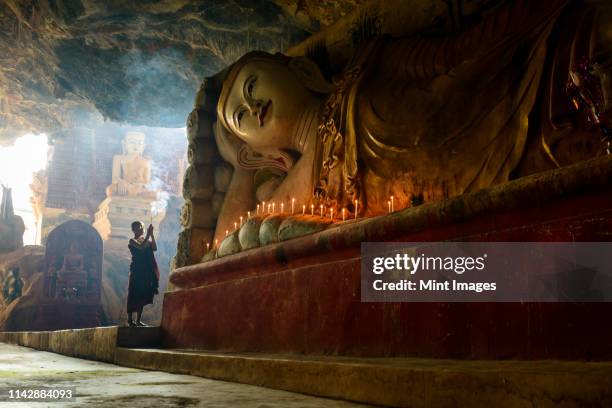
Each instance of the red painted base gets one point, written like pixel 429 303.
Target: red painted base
pixel 303 295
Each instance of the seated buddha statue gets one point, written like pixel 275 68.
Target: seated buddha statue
pixel 526 89
pixel 72 276
pixel 73 261
pixel 131 170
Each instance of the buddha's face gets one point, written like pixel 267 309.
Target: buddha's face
pixel 133 145
pixel 264 105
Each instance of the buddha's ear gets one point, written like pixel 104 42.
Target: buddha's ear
pixel 227 143
pixel 251 160
pixel 310 74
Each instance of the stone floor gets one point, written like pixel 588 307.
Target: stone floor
pixel 101 384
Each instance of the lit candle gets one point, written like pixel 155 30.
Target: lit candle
pixel 257 209
pixel 241 220
pixel 389 205
pixel 207 247
pixel 343 214
pixel 392 205
pixel 331 214
pixel 282 208
pixel 269 205
pixel 311 209
pixel 304 209
pixel 248 214
pixel 356 208
pixel 216 243
pixel 263 207
pixel 226 232
pixel 321 210
pixel 292 206
pixel 273 207
pixel 235 225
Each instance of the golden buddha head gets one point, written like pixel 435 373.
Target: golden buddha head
pixel 260 101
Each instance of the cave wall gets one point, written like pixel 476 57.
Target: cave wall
pixel 74 61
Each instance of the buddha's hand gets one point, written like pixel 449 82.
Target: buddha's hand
pixel 121 187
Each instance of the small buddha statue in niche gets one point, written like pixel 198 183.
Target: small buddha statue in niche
pixel 415 117
pixel 131 170
pixel 74 262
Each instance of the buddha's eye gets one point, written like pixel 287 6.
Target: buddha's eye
pixel 251 86
pixel 239 116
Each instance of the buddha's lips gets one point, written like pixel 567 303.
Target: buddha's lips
pixel 262 113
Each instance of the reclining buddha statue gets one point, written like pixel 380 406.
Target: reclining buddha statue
pixel 525 89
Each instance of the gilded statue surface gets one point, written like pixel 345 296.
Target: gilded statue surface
pixel 525 89
pixel 131 170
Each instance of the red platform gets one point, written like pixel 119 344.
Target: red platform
pixel 303 295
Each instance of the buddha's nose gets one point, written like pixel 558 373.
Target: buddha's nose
pixel 255 107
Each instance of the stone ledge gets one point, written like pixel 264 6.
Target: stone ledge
pixel 396 381
pixel 97 343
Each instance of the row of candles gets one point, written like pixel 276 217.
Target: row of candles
pixel 271 209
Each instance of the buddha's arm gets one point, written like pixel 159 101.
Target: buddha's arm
pixel 422 58
pixel 238 200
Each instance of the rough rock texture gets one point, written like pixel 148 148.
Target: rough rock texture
pixel 66 61
pixel 323 12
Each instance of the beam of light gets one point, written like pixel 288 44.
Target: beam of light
pixel 17 164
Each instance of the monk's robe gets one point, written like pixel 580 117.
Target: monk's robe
pixel 144 276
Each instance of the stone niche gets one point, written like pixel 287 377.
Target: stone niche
pixel 73 263
pixel 63 290
pixel 290 283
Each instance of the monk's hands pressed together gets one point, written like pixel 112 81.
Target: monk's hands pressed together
pixel 150 230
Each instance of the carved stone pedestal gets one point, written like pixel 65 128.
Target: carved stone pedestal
pixel 116 214
pixel 302 295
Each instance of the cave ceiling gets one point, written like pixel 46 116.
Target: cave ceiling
pixel 70 62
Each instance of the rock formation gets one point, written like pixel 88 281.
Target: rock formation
pixel 11 225
pixel 134 62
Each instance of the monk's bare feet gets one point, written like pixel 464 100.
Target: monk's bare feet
pixel 132 324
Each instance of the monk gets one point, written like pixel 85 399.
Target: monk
pixel 144 273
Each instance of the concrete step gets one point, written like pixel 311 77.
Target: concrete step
pixel 405 382
pixel 136 337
